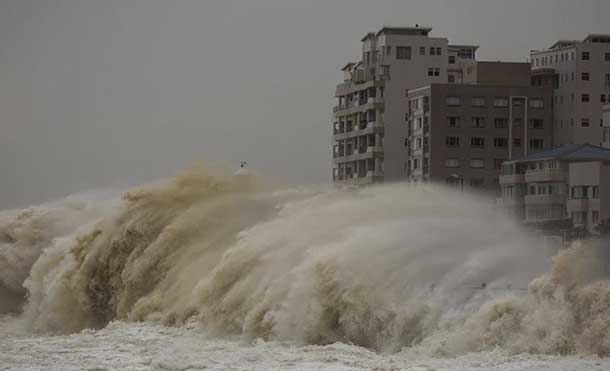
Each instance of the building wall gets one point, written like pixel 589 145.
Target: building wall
pixel 606 125
pixel 404 75
pixel 503 73
pixel 490 154
pixel 570 110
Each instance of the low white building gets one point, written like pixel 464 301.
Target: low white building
pixel 569 183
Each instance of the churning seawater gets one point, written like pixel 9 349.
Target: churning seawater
pixel 212 271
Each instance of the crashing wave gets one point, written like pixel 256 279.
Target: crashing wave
pixel 383 267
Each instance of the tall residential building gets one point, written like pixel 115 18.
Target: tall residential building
pixel 369 120
pixel 569 184
pixel 460 134
pixel 580 72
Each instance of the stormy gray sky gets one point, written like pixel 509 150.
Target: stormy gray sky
pixel 102 93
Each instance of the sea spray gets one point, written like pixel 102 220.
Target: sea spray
pixel 423 267
pixel 25 234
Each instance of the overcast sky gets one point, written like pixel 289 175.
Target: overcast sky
pixel 101 93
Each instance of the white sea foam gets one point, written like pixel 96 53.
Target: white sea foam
pixel 392 269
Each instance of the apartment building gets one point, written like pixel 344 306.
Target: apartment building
pixel 570 183
pixel 460 134
pixel 369 120
pixel 580 74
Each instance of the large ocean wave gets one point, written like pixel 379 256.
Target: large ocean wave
pixel 388 267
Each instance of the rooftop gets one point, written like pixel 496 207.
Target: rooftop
pixel 388 30
pixel 455 46
pixel 570 152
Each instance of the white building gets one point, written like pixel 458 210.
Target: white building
pixel 570 183
pixel 581 75
pixel 369 121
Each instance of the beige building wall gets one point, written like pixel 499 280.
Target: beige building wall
pixel 583 76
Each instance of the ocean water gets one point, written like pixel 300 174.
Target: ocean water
pixel 222 272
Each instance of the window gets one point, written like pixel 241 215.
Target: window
pixel 517 122
pixel 452 162
pixel 452 142
pixel 595 191
pixel 451 79
pixel 536 103
pixel 422 50
pixel 536 143
pixel 607 57
pixel 536 124
pixel 516 142
pixel 435 51
pixel 501 102
pixel 403 52
pixel 500 142
pixel 453 122
pixel 453 101
pixel 594 217
pixel 584 123
pixel 500 123
pixel 602 98
pixel 439 51
pixel 452 59
pixel 478 122
pixel 434 71
pixel 477 163
pixel 585 98
pixel 477 142
pixel 477 182
pixel 579 192
pixel 478 102
pixel 585 56
pixel 415 163
pixel 585 76
pixel 498 163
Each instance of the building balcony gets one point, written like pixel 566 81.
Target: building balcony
pixel 511 201
pixel 557 199
pixel 552 175
pixel 375 149
pixel 369 177
pixel 373 127
pixel 583 204
pixel 354 107
pixel 353 86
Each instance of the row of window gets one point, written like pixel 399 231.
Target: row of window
pixel 580 217
pixel 497 102
pixel 500 143
pixel 585 123
pixel 405 52
pixel 564 57
pixel 499 122
pixel 585 98
pixel 584 192
pixel 475 163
